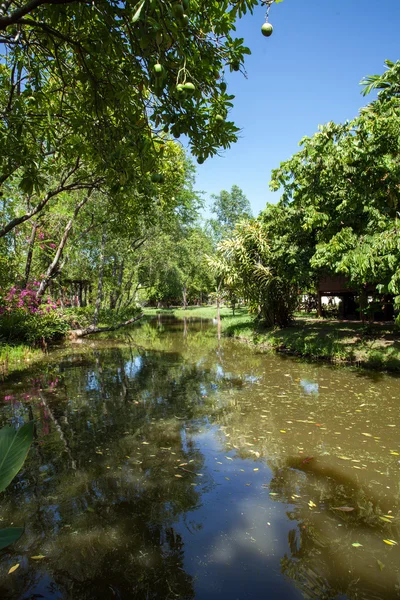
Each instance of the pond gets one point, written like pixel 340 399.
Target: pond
pixel 168 465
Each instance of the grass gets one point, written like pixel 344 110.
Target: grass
pixel 375 346
pixel 205 312
pixel 14 356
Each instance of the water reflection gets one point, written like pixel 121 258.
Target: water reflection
pixel 169 464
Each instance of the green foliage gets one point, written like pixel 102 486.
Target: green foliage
pixel 246 264
pixel 14 446
pixel 21 326
pixel 10 535
pixel 343 189
pixel 229 208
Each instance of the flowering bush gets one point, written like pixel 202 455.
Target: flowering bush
pixel 26 300
pixel 25 317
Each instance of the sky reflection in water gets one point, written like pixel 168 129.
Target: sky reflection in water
pixel 168 466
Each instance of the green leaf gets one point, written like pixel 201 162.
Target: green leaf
pixel 136 16
pixel 9 536
pixel 14 446
pixel 357 545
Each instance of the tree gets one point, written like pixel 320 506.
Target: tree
pixel 229 208
pixel 246 261
pixel 344 187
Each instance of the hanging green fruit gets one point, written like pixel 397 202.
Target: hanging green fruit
pixel 267 29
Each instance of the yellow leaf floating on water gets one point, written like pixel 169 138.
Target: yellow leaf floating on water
pixel 390 542
pixel 180 476
pixel 344 458
pixel 38 557
pixel 311 504
pixel 393 453
pixel 367 434
pixel 14 568
pixel 282 431
pixel 256 469
pixel 357 545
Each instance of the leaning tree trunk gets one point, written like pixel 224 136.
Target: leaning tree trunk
pixel 30 254
pixel 51 271
pixel 100 282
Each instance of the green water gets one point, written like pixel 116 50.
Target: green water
pixel 167 465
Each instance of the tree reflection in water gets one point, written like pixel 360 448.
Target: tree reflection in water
pixel 142 444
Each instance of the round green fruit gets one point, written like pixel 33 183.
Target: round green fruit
pixel 267 29
pixel 219 119
pixel 200 160
pixel 178 11
pixel 189 87
pixel 158 69
pixel 180 89
pixel 222 87
pixel 161 178
pixel 185 20
pixel 155 178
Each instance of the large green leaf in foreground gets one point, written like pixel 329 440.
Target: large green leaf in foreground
pixel 9 536
pixel 14 446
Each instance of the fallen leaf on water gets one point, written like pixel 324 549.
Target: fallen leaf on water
pixel 273 494
pixel 38 557
pixel 343 508
pixel 90 509
pixel 14 568
pixel 282 431
pixel 344 457
pixel 380 565
pixel 389 516
pixel 180 476
pixel 390 542
pixel 357 545
pixel 311 504
pixel 367 434
pixel 256 469
pixel 228 458
pixel 385 519
pixel 146 443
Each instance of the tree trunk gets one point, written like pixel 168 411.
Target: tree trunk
pixel 75 333
pixel 51 271
pixel 30 254
pixel 319 305
pixel 184 294
pixel 100 282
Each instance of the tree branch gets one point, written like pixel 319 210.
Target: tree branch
pixel 26 9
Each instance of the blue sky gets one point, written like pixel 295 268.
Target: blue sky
pixel 305 74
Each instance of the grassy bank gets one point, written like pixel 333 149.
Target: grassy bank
pixel 347 342
pixel 376 346
pixel 16 356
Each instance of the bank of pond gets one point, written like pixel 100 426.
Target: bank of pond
pixel 171 462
